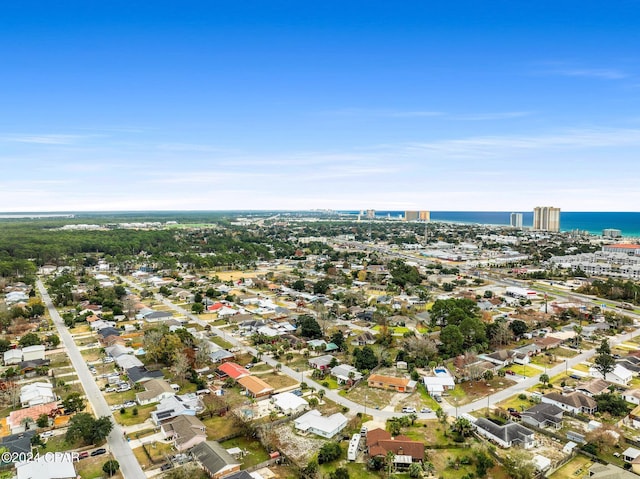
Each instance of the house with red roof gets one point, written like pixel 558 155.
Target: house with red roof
pixel 233 370
pixel 406 451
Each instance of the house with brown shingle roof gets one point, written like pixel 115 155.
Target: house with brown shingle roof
pixel 380 442
pixel 155 391
pixel 401 385
pixel 575 402
pixel 255 387
pixel 185 431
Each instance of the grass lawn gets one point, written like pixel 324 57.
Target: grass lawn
pixel 278 380
pixel 91 467
pixel 120 398
pixel 563 352
pixel 261 368
pixel 442 458
pixel 59 360
pixel 516 403
pixel 371 397
pixel 80 328
pixel 157 453
pixel 128 419
pixel 394 330
pixel 255 453
pixel 581 367
pixel 330 383
pixel 92 354
pixel 58 443
pixel 545 361
pixel 221 342
pixel 220 426
pixel 577 468
pixel 521 370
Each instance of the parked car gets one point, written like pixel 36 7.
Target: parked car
pixel 130 404
pixel 46 434
pixel 509 371
pixel 98 452
pixel 425 410
pixel 110 390
pixel 166 467
pixel 108 360
pixel 409 410
pixel 83 455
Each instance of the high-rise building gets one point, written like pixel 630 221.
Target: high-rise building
pixel 611 233
pixel 546 218
pixel 417 215
pixel 516 220
pixel 371 214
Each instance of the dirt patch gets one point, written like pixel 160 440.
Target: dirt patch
pixel 296 447
pixel 474 390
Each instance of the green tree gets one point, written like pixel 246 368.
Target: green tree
pixel 308 327
pixel 197 308
pixel 29 339
pixel 4 345
pixel 462 426
pixel 415 470
pixel 330 451
pixel 298 285
pixel 53 340
pixel 111 467
pixel 604 362
pixel 91 431
pixel 364 359
pixel 338 339
pixel 483 464
pixel 544 379
pixel 612 403
pixel 452 340
pixel 73 403
pixel 42 421
pixel 519 464
pixel 518 327
pixel 340 473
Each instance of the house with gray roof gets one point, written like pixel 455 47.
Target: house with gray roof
pixel 575 402
pixel 543 415
pixel 214 459
pixel 507 435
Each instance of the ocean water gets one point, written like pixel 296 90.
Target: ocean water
pixel 592 222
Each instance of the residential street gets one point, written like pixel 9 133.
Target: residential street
pixel 118 446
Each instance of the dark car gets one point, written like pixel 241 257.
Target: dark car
pixel 509 371
pixel 98 452
pixel 510 409
pixel 515 414
pixel 166 467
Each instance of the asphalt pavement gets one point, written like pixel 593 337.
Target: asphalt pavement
pixel 119 447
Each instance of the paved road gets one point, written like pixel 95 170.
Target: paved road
pixel 118 446
pixel 384 415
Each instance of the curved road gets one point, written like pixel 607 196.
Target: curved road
pixel 118 446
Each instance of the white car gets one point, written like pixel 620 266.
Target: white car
pixel 46 434
pixel 409 410
pixel 108 360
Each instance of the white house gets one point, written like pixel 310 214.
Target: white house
pixel 173 406
pixel 316 423
pixel 155 391
pixel 632 396
pixel 289 403
pixel 59 466
pixel 37 393
pixel 507 435
pixel 344 373
pixel 440 382
pixel 12 356
pixel 33 352
pixel 619 375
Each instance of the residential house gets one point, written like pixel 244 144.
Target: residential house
pixel 345 374
pixel 633 419
pixel 16 419
pixel 155 391
pixel 127 361
pixel 619 375
pixel 18 443
pixel 37 393
pixel 574 402
pixel 543 415
pixel 214 459
pixel 632 396
pixel 321 362
pixel 31 353
pixel 185 432
pixel 499 359
pixel 232 370
pixel 157 316
pixel 118 350
pixel 380 442
pixel 547 343
pixel 29 368
pixel 441 381
pixel 363 339
pixel 174 406
pixel 255 387
pixel 140 374
pixel 59 466
pixel 609 471
pixel 522 355
pixel 288 403
pixel 221 356
pixel 12 356
pixel 401 385
pixel 314 422
pixel 630 454
pixel 507 435
pixel 593 387
pixel 631 363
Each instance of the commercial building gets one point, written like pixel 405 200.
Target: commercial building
pixel 546 218
pixel 516 220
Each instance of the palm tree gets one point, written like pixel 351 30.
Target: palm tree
pixel 578 330
pixel 389 460
pixel 462 426
pixel 321 393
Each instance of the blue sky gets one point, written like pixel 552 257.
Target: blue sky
pixel 439 105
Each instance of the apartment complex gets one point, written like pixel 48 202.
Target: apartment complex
pixel 417 215
pixel 516 220
pixel 546 218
